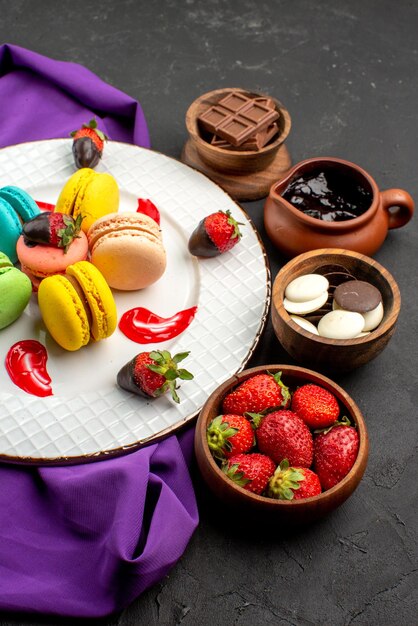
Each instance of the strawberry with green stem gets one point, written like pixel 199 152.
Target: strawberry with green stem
pixel 257 394
pixel 293 483
pixel 152 374
pixel 335 452
pixel 215 234
pixel 52 229
pixel 250 471
pixel 88 143
pixel 228 435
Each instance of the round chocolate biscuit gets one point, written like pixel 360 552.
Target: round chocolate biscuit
pixel 357 295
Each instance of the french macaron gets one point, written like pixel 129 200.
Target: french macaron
pixel 49 244
pixel 77 307
pixel 5 261
pixel 90 194
pixel 128 249
pixel 15 291
pixel 16 208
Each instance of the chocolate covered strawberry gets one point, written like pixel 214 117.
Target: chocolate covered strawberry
pixel 52 229
pixel 251 471
pixel 228 435
pixel 293 483
pixel 152 374
pixel 215 234
pixel 335 452
pixel 88 143
pixel 317 406
pixel 284 435
pixel 256 394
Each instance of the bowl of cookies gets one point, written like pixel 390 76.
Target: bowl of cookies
pixel 281 442
pixel 334 309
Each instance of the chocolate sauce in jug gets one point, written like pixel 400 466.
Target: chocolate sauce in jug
pixel 328 195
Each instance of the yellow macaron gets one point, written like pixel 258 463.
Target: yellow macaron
pixel 79 307
pixel 89 193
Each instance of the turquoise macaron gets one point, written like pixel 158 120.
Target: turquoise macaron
pixel 16 208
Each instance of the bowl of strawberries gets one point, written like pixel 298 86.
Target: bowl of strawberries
pixel 281 440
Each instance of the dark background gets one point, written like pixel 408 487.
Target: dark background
pixel 347 72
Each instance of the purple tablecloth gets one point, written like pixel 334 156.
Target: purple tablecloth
pixel 85 540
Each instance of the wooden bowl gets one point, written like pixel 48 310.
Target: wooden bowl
pixel 334 355
pixel 232 161
pixel 261 507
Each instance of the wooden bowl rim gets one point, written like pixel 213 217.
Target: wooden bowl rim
pixel 290 370
pixel 374 335
pixel 192 127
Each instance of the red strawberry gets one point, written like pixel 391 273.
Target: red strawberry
pixel 317 406
pixel 251 471
pixel 293 483
pixel 228 435
pixel 152 374
pixel 215 234
pixel 335 452
pixel 284 435
pixel 52 229
pixel 88 144
pixel 256 394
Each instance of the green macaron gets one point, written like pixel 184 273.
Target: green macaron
pixel 15 292
pixel 5 261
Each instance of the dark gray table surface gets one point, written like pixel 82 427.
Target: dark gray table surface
pixel 347 72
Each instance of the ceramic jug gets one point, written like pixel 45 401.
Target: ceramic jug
pixel 294 232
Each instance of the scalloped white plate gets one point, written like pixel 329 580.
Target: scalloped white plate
pixel 88 416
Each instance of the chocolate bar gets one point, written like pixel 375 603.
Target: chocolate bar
pixel 255 142
pixel 237 117
pixel 234 102
pixel 268 102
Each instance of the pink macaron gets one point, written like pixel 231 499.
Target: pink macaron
pixel 39 261
pixel 128 250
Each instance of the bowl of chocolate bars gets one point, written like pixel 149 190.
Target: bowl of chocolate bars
pixel 237 131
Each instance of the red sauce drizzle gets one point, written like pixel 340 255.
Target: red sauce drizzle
pixel 148 208
pixel 45 206
pixel 26 366
pixel 143 326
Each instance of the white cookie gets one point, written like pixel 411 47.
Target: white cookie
pixel 339 324
pixel 306 287
pixel 305 324
pixel 301 308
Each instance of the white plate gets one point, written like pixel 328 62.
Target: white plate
pixel 88 415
